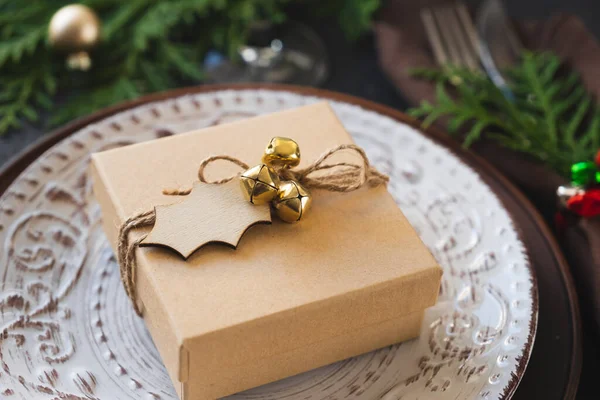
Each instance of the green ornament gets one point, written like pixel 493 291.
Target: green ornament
pixel 584 173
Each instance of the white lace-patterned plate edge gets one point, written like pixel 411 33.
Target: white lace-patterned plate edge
pixel 475 343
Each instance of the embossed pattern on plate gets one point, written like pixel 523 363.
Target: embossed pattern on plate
pixel 69 331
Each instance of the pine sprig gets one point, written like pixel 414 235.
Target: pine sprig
pixel 355 16
pixel 23 94
pixel 14 49
pixel 147 45
pixel 551 117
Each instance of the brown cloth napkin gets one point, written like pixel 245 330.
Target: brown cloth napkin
pixel 402 44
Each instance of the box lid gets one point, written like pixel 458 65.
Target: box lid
pixel 353 262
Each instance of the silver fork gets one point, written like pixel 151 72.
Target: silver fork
pixel 452 35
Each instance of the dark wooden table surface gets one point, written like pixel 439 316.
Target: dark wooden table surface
pixel 354 70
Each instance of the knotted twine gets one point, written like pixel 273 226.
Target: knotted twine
pixel 342 177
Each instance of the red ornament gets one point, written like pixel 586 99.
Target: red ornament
pixel 597 158
pixel 587 204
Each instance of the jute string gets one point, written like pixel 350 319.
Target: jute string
pixel 339 177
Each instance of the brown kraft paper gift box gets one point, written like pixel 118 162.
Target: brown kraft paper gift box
pixel 351 277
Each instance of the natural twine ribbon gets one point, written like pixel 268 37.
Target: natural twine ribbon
pixel 342 177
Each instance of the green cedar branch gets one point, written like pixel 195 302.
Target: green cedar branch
pixel 147 45
pixel 552 118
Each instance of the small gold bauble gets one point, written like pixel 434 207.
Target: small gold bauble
pixel 75 29
pixel 259 184
pixel 292 202
pixel 282 152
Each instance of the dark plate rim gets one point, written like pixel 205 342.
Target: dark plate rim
pixel 10 171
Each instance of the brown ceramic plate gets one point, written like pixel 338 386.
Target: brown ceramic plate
pixel 554 366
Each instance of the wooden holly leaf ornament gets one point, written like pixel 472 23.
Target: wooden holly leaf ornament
pixel 209 214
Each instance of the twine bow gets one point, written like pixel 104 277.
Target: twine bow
pixel 341 177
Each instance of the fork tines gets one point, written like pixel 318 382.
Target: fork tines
pixel 452 35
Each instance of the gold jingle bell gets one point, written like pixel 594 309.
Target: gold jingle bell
pixel 282 152
pixel 75 29
pixel 259 184
pixel 292 202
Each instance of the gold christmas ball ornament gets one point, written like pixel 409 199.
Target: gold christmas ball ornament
pixel 259 184
pixel 282 152
pixel 292 202
pixel 75 29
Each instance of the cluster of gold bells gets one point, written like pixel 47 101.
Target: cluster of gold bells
pixel 261 184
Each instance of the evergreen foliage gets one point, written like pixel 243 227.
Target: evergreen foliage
pixel 147 46
pixel 551 117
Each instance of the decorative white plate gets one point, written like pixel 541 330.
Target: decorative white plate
pixel 68 331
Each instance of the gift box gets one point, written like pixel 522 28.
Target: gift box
pixel 351 277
